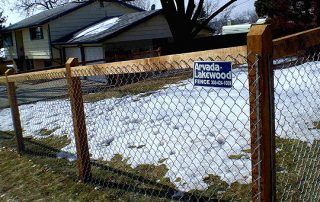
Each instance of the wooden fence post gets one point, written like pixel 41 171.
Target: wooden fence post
pixel 79 122
pixel 12 96
pixel 262 117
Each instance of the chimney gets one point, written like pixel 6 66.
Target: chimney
pixel 153 7
pixel 229 22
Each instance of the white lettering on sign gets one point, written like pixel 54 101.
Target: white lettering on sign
pixel 213 74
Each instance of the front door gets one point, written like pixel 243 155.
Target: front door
pixel 21 63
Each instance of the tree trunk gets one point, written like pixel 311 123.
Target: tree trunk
pixel 181 29
pixel 317 10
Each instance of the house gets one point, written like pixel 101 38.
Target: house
pixel 30 42
pixel 118 38
pixel 87 30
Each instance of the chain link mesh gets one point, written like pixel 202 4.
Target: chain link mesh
pixel 3 96
pixel 166 138
pixel 297 107
pixel 46 120
pixel 152 135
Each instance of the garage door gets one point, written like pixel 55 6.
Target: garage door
pixel 94 53
pixel 73 53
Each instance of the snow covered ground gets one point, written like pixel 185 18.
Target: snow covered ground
pixel 3 88
pixel 192 130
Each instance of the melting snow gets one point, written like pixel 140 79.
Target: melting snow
pixel 97 28
pixel 191 129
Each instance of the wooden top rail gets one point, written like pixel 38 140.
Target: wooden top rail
pixel 292 44
pixel 41 75
pixel 169 62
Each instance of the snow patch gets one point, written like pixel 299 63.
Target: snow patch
pixel 97 28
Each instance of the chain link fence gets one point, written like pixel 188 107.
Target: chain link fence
pixel 3 97
pixel 151 134
pixel 142 131
pixel 297 107
pixel 167 138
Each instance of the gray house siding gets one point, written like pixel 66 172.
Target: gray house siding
pixel 156 27
pixel 85 16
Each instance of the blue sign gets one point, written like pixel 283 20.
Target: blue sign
pixel 212 74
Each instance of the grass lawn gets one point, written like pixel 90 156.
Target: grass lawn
pixel 39 175
pixel 146 85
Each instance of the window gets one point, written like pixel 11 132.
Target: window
pixel 36 33
pixel 7 40
pixel 47 63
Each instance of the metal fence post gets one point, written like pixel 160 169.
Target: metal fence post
pixel 79 122
pixel 12 96
pixel 260 44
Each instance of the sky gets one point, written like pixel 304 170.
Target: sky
pixel 240 6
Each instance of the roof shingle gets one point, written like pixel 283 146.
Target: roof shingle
pixel 113 26
pixel 46 16
pixel 52 14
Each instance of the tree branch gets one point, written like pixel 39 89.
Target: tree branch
pixel 190 9
pixel 180 7
pixel 205 23
pixel 198 11
pixel 29 6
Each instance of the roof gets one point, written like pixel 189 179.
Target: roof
pixel 52 14
pixel 107 28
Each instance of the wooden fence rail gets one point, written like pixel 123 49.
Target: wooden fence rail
pixel 150 64
pixel 292 44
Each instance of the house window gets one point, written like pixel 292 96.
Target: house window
pixel 36 33
pixel 7 40
pixel 47 63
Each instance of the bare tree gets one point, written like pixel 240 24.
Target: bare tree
pixel 3 19
pixel 183 19
pixel 2 22
pixel 31 6
pixel 208 8
pixel 221 20
pixel 144 4
pixel 246 17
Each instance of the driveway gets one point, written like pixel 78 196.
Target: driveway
pixel 28 92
